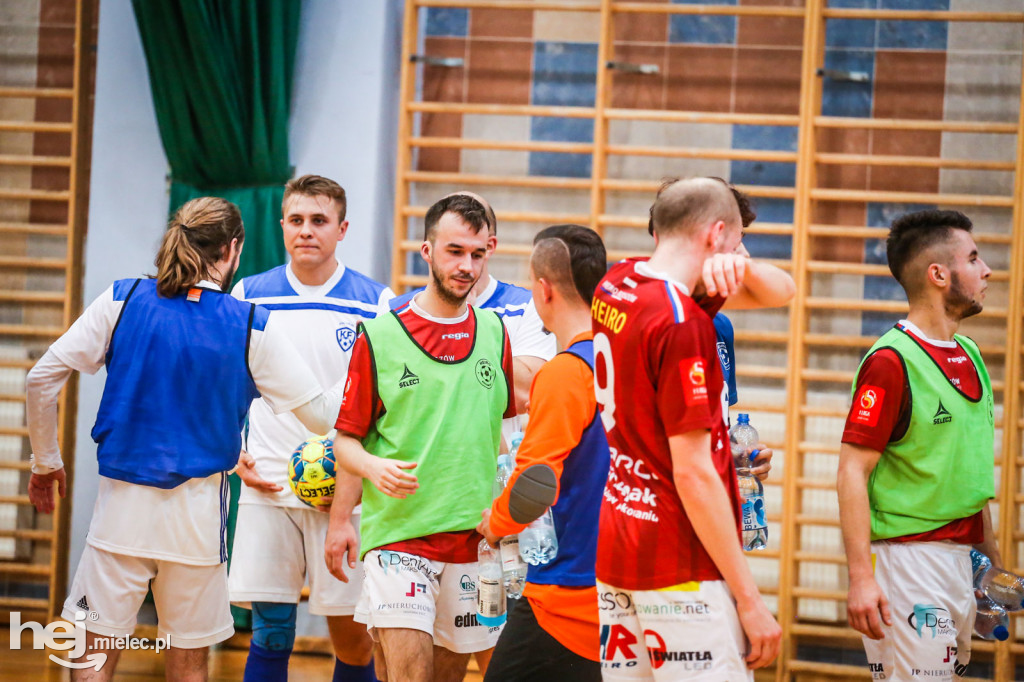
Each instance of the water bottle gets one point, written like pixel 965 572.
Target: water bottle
pixel 512 565
pixel 538 543
pixel 490 593
pixel 991 621
pixel 513 449
pixel 1002 587
pixel 743 438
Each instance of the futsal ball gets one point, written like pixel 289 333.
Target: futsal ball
pixel 311 471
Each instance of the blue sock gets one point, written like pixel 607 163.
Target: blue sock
pixel 264 665
pixel 343 672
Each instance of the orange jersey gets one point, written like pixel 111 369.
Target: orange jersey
pixel 562 406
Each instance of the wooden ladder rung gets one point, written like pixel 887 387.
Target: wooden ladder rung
pixel 36 194
pixel 40 297
pixel 16 363
pixel 22 568
pixel 15 499
pixel 22 330
pixel 32 262
pixel 27 534
pixel 11 398
pixel 12 92
pixel 31 160
pixel 35 127
pixel 27 603
pixel 14 431
pixel 34 228
pixel 16 465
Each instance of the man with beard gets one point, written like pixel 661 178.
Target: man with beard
pixel 916 467
pixel 184 360
pixel 420 423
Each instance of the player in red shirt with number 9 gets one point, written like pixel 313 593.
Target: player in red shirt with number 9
pixel 675 594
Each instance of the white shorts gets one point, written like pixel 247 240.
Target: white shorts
pixel 191 601
pixel 685 632
pixel 407 591
pixel 931 598
pixel 276 549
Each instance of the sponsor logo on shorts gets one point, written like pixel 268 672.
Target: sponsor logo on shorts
pixel 610 600
pixel 930 617
pixel 416 588
pixel 485 373
pixel 405 606
pixel 660 655
pixel 468 620
pixel 942 415
pixel 617 644
pixel 693 610
pixel 407 562
pixel 408 378
pixel 467 584
pixel 877 671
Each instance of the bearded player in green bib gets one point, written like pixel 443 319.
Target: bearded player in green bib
pixel 916 467
pixel 420 423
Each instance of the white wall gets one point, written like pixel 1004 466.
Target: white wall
pixel 343 126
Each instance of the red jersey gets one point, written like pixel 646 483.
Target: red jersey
pixel 447 340
pixel 656 375
pixel 882 384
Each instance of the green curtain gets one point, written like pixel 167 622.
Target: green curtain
pixel 221 76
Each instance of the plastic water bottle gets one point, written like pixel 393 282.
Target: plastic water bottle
pixel 490 593
pixel 538 543
pixel 1002 587
pixel 743 438
pixel 991 621
pixel 512 565
pixel 513 448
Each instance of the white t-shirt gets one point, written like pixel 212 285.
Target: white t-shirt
pixel 179 524
pixel 321 322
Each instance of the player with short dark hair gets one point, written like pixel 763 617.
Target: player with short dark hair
pixel 916 468
pixel 563 459
pixel 421 425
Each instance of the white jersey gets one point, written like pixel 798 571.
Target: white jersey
pixel 321 322
pixel 177 524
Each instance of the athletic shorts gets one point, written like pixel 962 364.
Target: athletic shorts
pixel 403 590
pixel 526 652
pixel 685 632
pixel 931 598
pixel 191 601
pixel 276 549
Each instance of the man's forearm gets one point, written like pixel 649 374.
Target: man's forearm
pixel 855 520
pixel 348 490
pixel 351 455
pixel 707 506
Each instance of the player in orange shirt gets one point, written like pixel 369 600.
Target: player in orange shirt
pixel 553 632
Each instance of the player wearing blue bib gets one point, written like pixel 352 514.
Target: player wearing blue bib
pixel 183 362
pixel 279 541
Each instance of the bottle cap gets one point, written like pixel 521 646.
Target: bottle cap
pixel 504 460
pixel 743 418
pixel 1001 633
pixel 753 455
